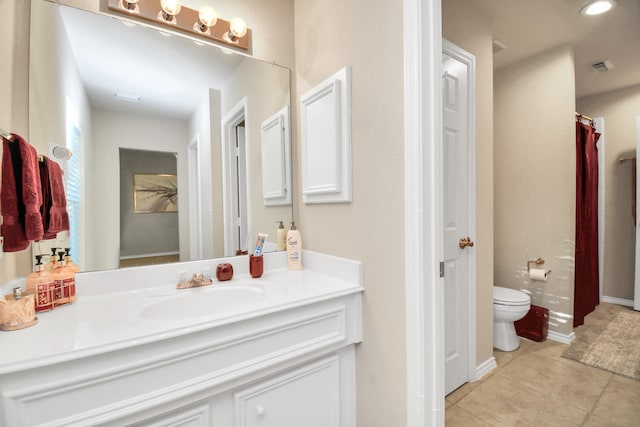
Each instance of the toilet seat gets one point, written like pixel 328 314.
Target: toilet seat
pixel 510 297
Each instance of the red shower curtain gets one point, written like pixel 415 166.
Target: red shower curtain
pixel 586 288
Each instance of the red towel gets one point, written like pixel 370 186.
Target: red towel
pixel 20 195
pixel 54 208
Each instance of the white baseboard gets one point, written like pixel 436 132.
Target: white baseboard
pixel 150 255
pixel 619 301
pixel 485 367
pixel 562 338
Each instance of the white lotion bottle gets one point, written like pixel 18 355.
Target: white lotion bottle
pixel 294 248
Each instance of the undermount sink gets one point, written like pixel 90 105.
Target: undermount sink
pixel 198 302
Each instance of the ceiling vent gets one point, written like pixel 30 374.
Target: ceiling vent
pixel 498 46
pixel 601 66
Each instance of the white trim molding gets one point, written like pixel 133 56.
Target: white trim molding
pixel 325 122
pixel 276 158
pixel 484 368
pixel 619 301
pixel 561 338
pixel 238 114
pixel 423 220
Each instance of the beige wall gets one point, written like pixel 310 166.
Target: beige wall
pixel 110 132
pixel 329 35
pixel 468 29
pixel 263 102
pixel 534 176
pixel 619 109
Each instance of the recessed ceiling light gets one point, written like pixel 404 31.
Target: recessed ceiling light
pixel 127 97
pixel 598 7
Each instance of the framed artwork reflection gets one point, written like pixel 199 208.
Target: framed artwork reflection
pixel 155 193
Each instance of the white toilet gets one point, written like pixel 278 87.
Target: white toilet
pixel 509 305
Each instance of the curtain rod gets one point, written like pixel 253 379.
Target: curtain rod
pixel 582 116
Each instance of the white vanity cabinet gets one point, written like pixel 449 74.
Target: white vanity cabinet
pixel 306 396
pixel 288 364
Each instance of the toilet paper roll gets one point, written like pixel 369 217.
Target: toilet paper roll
pixel 539 274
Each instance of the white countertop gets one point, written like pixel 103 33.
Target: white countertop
pixel 118 309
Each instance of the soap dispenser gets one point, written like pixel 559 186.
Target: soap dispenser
pixel 281 237
pixel 294 248
pixel 65 282
pixel 72 266
pixel 53 260
pixel 41 283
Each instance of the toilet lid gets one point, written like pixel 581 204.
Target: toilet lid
pixel 508 296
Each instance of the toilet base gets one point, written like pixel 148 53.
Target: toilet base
pixel 505 337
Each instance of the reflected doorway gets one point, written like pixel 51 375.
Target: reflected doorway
pixel 235 144
pixel 150 237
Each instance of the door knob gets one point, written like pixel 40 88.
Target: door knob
pixel 464 242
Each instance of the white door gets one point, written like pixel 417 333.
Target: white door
pixel 458 205
pixel 636 296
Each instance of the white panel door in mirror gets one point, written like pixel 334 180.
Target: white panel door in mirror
pixel 326 140
pixel 276 159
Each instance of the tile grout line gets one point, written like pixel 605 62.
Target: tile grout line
pixel 595 404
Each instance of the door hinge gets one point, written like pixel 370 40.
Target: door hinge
pixel 441 268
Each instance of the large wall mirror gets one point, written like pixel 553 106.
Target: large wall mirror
pixel 122 95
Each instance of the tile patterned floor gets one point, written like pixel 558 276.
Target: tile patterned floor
pixel 536 386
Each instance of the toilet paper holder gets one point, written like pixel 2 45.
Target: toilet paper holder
pixel 535 261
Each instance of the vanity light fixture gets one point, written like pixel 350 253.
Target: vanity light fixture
pixel 598 7
pixel 204 23
pixel 207 18
pixel 168 11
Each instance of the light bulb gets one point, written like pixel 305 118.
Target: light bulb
pixel 170 8
pixel 207 17
pixel 237 28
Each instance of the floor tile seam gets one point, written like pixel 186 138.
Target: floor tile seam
pixel 595 403
pixel 558 394
pixel 504 377
pixel 559 415
pixel 467 411
pixel 507 363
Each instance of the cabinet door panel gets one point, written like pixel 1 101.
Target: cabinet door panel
pixel 183 417
pixel 308 396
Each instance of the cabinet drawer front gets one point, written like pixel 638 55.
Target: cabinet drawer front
pixel 308 396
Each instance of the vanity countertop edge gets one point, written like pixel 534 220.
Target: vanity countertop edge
pixel 82 330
